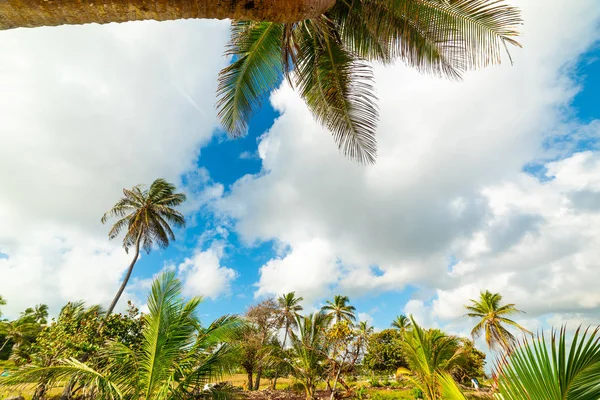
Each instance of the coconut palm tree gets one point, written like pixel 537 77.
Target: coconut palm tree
pixel 289 307
pixel 402 323
pixel 176 358
pixel 2 303
pixel 492 320
pixel 340 309
pixel 555 369
pixel 309 350
pixel 431 355
pixel 146 215
pixel 322 47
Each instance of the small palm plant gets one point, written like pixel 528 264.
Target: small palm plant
pixel 493 317
pixel 431 356
pixel 146 215
pixel 309 350
pixel 175 360
pixel 553 370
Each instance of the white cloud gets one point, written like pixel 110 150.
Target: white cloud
pixel 365 317
pixel 203 275
pixel 308 269
pixel 86 111
pixel 447 185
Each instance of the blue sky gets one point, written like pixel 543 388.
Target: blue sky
pixel 489 183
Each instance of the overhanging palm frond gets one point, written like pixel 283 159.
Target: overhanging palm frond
pixel 257 69
pixel 90 379
pixel 556 370
pixel 338 88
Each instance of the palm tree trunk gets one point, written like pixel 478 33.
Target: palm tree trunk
pixel 4 344
pixel 33 13
pixel 287 327
pixel 257 380
pixel 250 387
pixel 127 276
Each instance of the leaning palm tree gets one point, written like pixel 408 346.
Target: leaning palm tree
pixel 431 355
pixel 309 350
pixel 289 307
pixel 492 320
pixel 402 323
pixel 175 360
pixel 146 215
pixel 39 314
pixel 555 369
pixel 340 309
pixel 322 47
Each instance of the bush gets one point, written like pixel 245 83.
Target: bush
pixel 296 387
pixel 417 393
pixel 386 383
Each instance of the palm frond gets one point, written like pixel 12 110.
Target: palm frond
pixel 541 370
pixel 338 88
pixel 257 69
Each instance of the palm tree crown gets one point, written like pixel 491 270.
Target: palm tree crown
pixel 326 58
pixel 340 309
pixel 493 318
pixel 402 323
pixel 146 214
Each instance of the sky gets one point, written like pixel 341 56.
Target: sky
pixel 491 183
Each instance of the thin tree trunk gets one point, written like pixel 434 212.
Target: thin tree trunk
pixel 287 327
pixel 337 376
pixel 126 279
pixel 250 385
pixel 33 13
pixel 5 342
pixel 258 374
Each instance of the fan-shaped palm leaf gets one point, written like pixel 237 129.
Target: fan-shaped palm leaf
pixel 542 370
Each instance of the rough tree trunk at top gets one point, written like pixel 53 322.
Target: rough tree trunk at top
pixel 34 13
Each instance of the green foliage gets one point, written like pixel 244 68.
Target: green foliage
pixel 325 58
pixel 542 370
pixel 402 323
pixel 417 393
pixel 471 363
pixel 175 358
pixel 384 352
pixel 391 395
pixel 431 355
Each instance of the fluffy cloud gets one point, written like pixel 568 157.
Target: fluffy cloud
pixel 447 185
pixel 86 111
pixel 203 275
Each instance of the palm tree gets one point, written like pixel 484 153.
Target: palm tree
pixel 431 355
pixel 493 317
pixel 34 13
pixel 322 47
pixel 39 314
pixel 340 309
pixel 553 370
pixel 19 332
pixel 402 323
pixel 175 360
pixel 146 215
pixel 309 350
pixel 289 307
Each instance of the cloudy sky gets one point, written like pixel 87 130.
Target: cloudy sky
pixel 490 183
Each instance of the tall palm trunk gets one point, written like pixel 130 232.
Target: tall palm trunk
pixel 33 13
pixel 127 276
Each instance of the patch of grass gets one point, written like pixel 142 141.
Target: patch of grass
pixel 390 394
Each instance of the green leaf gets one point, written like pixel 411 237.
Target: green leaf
pixel 257 47
pixel 338 89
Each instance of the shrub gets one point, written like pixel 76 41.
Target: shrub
pixel 374 383
pixel 386 383
pixel 417 393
